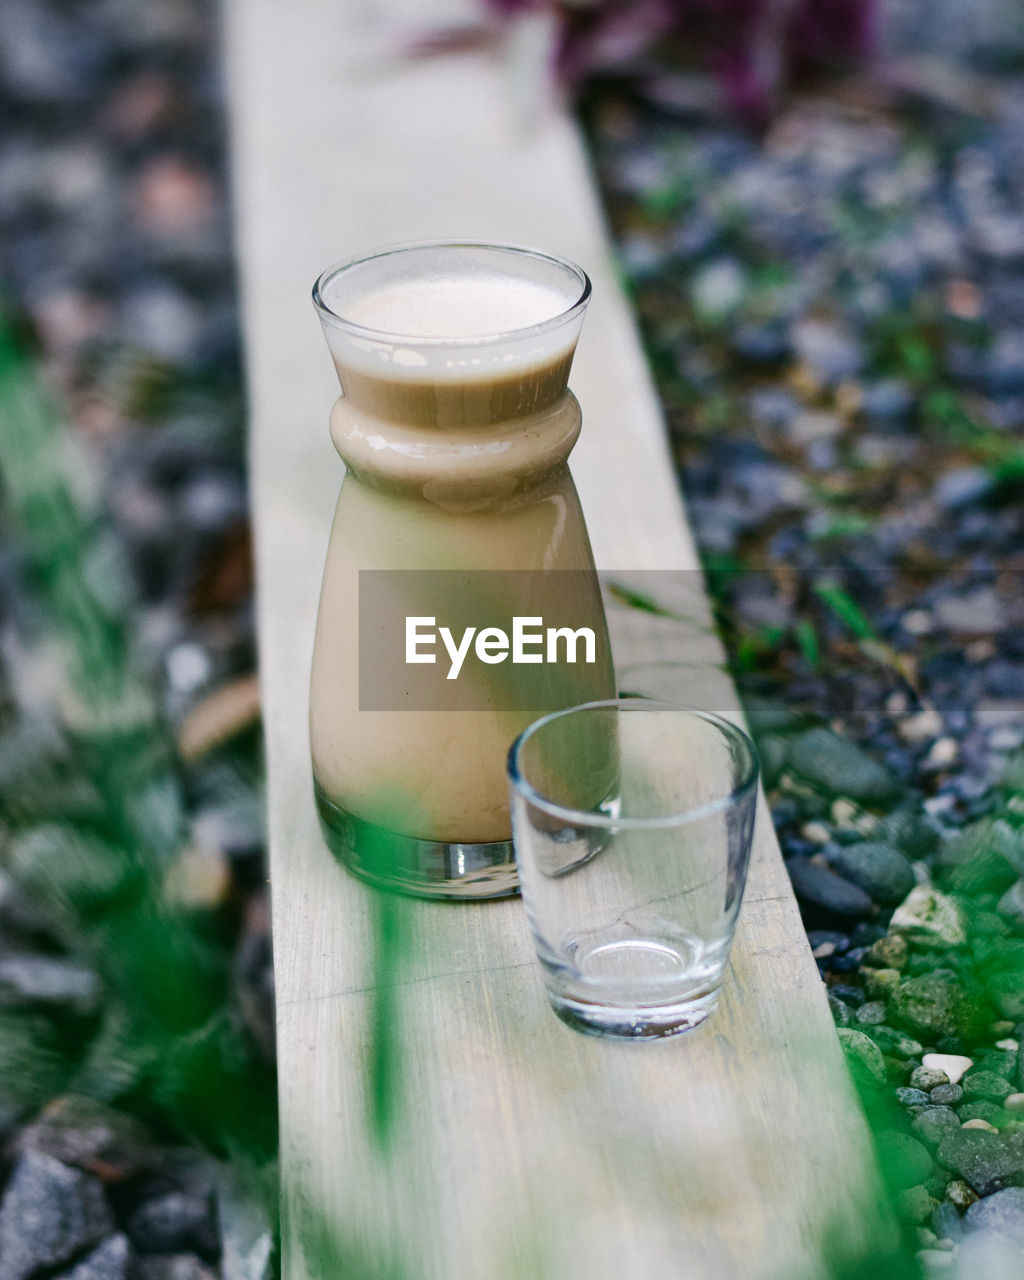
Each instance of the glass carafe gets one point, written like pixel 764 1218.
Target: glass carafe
pixel 455 423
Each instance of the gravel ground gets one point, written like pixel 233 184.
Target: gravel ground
pixel 833 314
pixel 115 244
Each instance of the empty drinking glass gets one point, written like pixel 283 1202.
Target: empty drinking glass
pixel 632 822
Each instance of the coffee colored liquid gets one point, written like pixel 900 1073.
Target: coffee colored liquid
pixel 454 463
pixel 471 403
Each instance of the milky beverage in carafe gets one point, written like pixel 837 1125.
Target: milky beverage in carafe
pixel 455 424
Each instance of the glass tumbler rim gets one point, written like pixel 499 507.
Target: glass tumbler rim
pixel 594 818
pixel 332 317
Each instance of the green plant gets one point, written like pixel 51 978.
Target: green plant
pixel 95 822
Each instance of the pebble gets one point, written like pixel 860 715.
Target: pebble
pixel 917 622
pixel 1014 1102
pixel 959 1194
pixel 976 652
pixel 934 1260
pixel 927 1077
pixel 872 1013
pixel 940 805
pixel 943 754
pixel 851 995
pixel 880 984
pixel 1011 904
pixel 830 352
pixel 81 1131
pixel 986 1084
pixel 888 398
pixel 946 1224
pixel 978 1123
pixel 837 767
pixel 174 1266
pixel 912 1097
pixel 931 1005
pixel 1002 1212
pixel 1005 371
pixel 963 487
pixel 862 1051
pixel 979 612
pixel 896 1043
pixel 984 1255
pixel 906 1161
pixel 986 1160
pixel 162 320
pixel 718 288
pixel 946 1095
pixel 49 1214
pixel 198 879
pixel 889 952
pixel 1007 994
pixel 844 812
pixel 933 1123
pixel 761 344
pixel 931 917
pixel 879 869
pixel 1003 678
pixel 997 713
pixel 188 667
pixel 822 892
pixel 772 406
pixel 981 1109
pixel 1001 1061
pixel 176 1222
pixel 951 1066
pixel 111 1261
pixel 813 427
pixel 67 318
pixel 914 1205
pixel 925 724
pixel 822 455
pixel 828 941
pixel 141 513
pixel 865 934
pixel 211 503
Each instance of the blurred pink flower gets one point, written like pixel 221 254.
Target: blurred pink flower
pixel 753 47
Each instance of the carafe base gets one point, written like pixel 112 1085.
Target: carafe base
pixel 407 864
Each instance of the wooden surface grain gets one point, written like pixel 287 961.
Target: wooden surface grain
pixel 514 1147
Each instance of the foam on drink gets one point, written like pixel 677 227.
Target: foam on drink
pixel 456 307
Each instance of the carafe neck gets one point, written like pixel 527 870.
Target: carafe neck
pixel 496 395
pixel 471 468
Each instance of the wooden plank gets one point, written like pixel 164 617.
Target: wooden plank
pixel 519 1148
